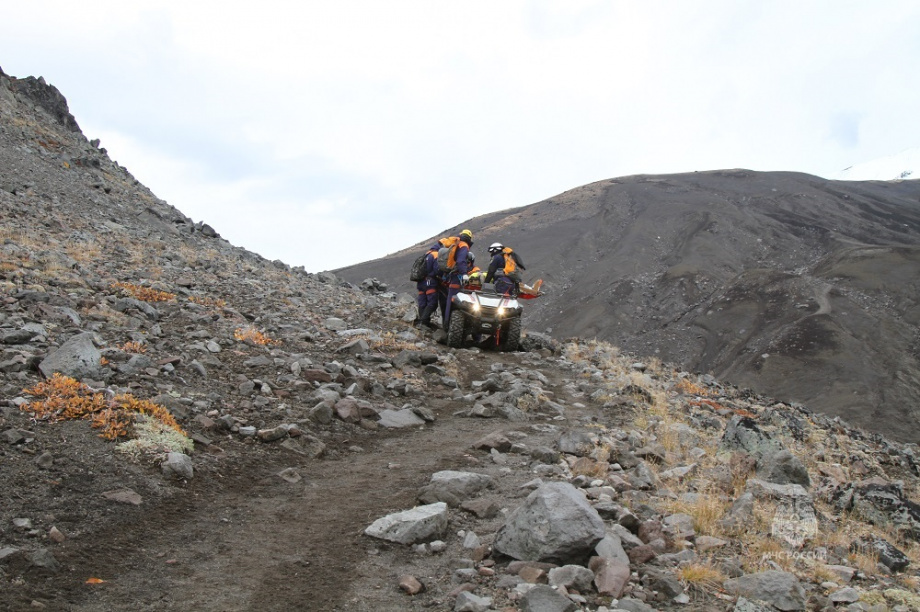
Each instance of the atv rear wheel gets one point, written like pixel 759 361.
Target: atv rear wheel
pixel 512 339
pixel 456 330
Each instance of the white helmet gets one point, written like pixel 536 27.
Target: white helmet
pixel 495 247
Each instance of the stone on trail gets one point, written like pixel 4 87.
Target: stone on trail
pixel 482 508
pixel 124 496
pixel 453 487
pixel 357 346
pixel 411 585
pixel 495 440
pixel 410 526
pixel 467 602
pixel 43 558
pixel 578 443
pixel 178 464
pixel 555 523
pixel 290 475
pixel 397 419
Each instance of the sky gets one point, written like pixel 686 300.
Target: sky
pixel 326 133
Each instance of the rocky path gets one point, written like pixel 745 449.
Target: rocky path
pixel 246 538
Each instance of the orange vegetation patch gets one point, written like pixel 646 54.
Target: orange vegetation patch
pixel 133 347
pixel 144 293
pixel 717 406
pixel 207 301
pixel 62 397
pixel 690 388
pixel 251 334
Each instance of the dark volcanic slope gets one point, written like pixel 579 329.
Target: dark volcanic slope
pixel 795 286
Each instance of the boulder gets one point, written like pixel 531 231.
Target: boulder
pixel 397 419
pixel 555 523
pixel 888 554
pixel 411 526
pixel 781 589
pixel 453 487
pixel 782 467
pixel 78 358
pixel 544 598
pixel 742 433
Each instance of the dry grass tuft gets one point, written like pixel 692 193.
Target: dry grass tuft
pixel 207 302
pixel 701 576
pixel 688 387
pixel 62 397
pixel 388 342
pixel 706 509
pixel 821 573
pixel 145 294
pixel 865 561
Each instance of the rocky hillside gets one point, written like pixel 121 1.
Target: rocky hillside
pixel 187 426
pixel 788 284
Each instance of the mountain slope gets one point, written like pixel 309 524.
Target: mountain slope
pixel 792 285
pixel 312 413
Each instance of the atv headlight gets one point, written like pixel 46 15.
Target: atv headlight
pixel 475 306
pixel 501 311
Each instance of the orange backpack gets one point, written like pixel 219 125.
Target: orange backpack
pixel 447 254
pixel 513 265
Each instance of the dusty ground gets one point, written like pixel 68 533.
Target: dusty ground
pixel 239 537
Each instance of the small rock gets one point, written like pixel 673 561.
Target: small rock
pixel 846 595
pixel 411 585
pixel 290 475
pixel 123 496
pixel 178 464
pixel 22 524
pixel 55 535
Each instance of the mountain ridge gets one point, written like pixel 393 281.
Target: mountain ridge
pixel 751 276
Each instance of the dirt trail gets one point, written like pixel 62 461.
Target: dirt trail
pixel 249 540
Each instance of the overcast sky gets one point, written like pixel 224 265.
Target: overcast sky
pixel 329 133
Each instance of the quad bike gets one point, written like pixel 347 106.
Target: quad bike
pixel 494 317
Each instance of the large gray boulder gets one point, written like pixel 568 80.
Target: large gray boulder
pixel 78 358
pixel 884 504
pixel 419 524
pixel 743 434
pixel 781 589
pixel 555 523
pixel 782 467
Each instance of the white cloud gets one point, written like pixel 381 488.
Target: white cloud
pixel 400 119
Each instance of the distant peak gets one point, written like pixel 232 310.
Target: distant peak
pixel 900 166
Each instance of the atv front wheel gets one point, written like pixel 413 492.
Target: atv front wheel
pixel 456 330
pixel 512 339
